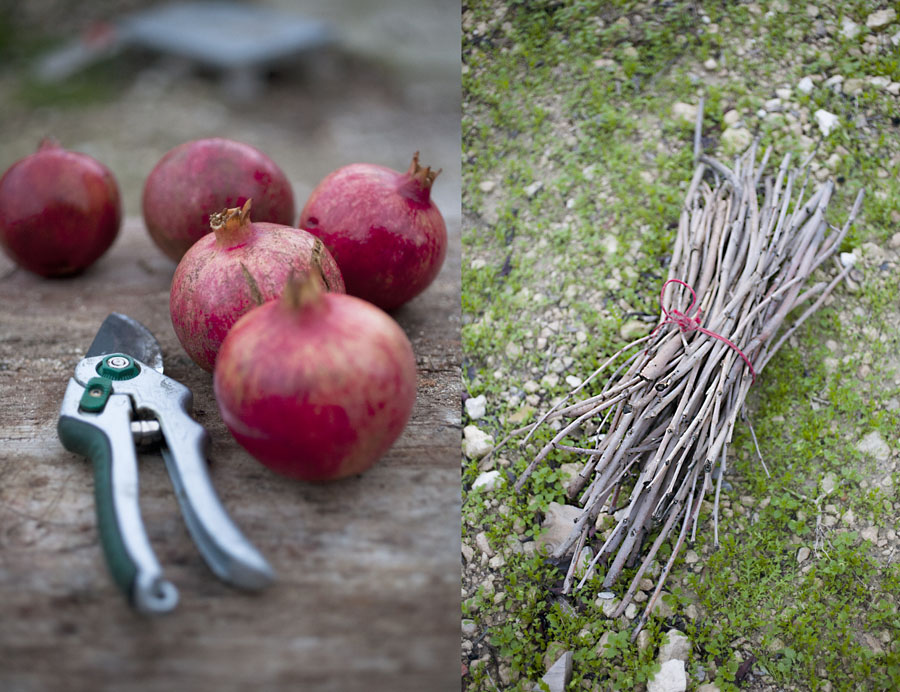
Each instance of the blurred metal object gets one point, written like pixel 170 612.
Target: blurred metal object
pixel 240 41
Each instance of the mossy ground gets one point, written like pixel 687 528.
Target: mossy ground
pixel 574 172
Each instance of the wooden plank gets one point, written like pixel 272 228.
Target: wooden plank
pixel 367 596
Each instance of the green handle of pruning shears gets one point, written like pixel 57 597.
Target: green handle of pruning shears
pixel 103 434
pixel 89 441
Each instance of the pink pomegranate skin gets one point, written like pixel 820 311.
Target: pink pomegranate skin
pixel 59 211
pixel 388 237
pixel 203 176
pixel 240 265
pixel 316 389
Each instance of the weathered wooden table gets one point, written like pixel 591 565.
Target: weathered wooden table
pixel 367 596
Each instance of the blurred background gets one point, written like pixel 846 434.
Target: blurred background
pixel 371 81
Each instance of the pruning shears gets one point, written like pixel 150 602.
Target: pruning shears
pixel 117 400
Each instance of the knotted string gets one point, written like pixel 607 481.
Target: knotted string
pixel 686 323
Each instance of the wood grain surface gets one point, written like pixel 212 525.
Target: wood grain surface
pixel 367 596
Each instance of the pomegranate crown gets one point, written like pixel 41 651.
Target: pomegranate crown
pixel 301 289
pixel 230 217
pixel 425 176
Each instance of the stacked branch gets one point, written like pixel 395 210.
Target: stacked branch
pixel 747 245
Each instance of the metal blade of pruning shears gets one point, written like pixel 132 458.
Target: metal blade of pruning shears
pixel 122 334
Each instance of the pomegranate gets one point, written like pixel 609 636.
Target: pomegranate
pixel 315 385
pixel 388 237
pixel 200 177
pixel 238 266
pixel 59 210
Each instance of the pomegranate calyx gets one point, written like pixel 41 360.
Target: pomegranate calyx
pixel 301 290
pixel 417 182
pixel 49 143
pixel 230 225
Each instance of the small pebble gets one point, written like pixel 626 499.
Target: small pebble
pixel 475 406
pixel 487 481
pixel 805 85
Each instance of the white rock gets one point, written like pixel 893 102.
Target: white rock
pixel 803 554
pixel 476 443
pixel 852 86
pixel 784 93
pixel 661 608
pixel 873 445
pixel 848 517
pixel 881 18
pixel 826 121
pixel 489 480
pixel 475 406
pixel 870 533
pixel 710 64
pixel 534 188
pixel 676 646
pixel 685 112
pixel 643 640
pixel 880 82
pixel 557 678
pixel 487 185
pixel 834 82
pixel 469 627
pixel 849 28
pixel 569 471
pixel 670 678
pixel 610 244
pixel 691 557
pixel 895 39
pixel 847 258
pixel 557 525
pixel 773 105
pixel 708 687
pixel 732 117
pixel 484 545
pixel 805 85
pixel 736 139
pixel 584 559
pixel 829 483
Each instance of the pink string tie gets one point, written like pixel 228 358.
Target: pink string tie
pixel 687 324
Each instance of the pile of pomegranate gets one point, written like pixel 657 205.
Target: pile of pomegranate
pixel 311 375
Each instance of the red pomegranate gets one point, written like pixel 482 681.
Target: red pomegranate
pixel 59 211
pixel 316 385
pixel 238 266
pixel 200 177
pixel 388 237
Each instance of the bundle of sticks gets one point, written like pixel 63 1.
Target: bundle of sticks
pixel 747 243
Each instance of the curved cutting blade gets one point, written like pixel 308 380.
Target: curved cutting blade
pixel 122 334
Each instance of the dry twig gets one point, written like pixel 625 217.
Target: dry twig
pixel 745 247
